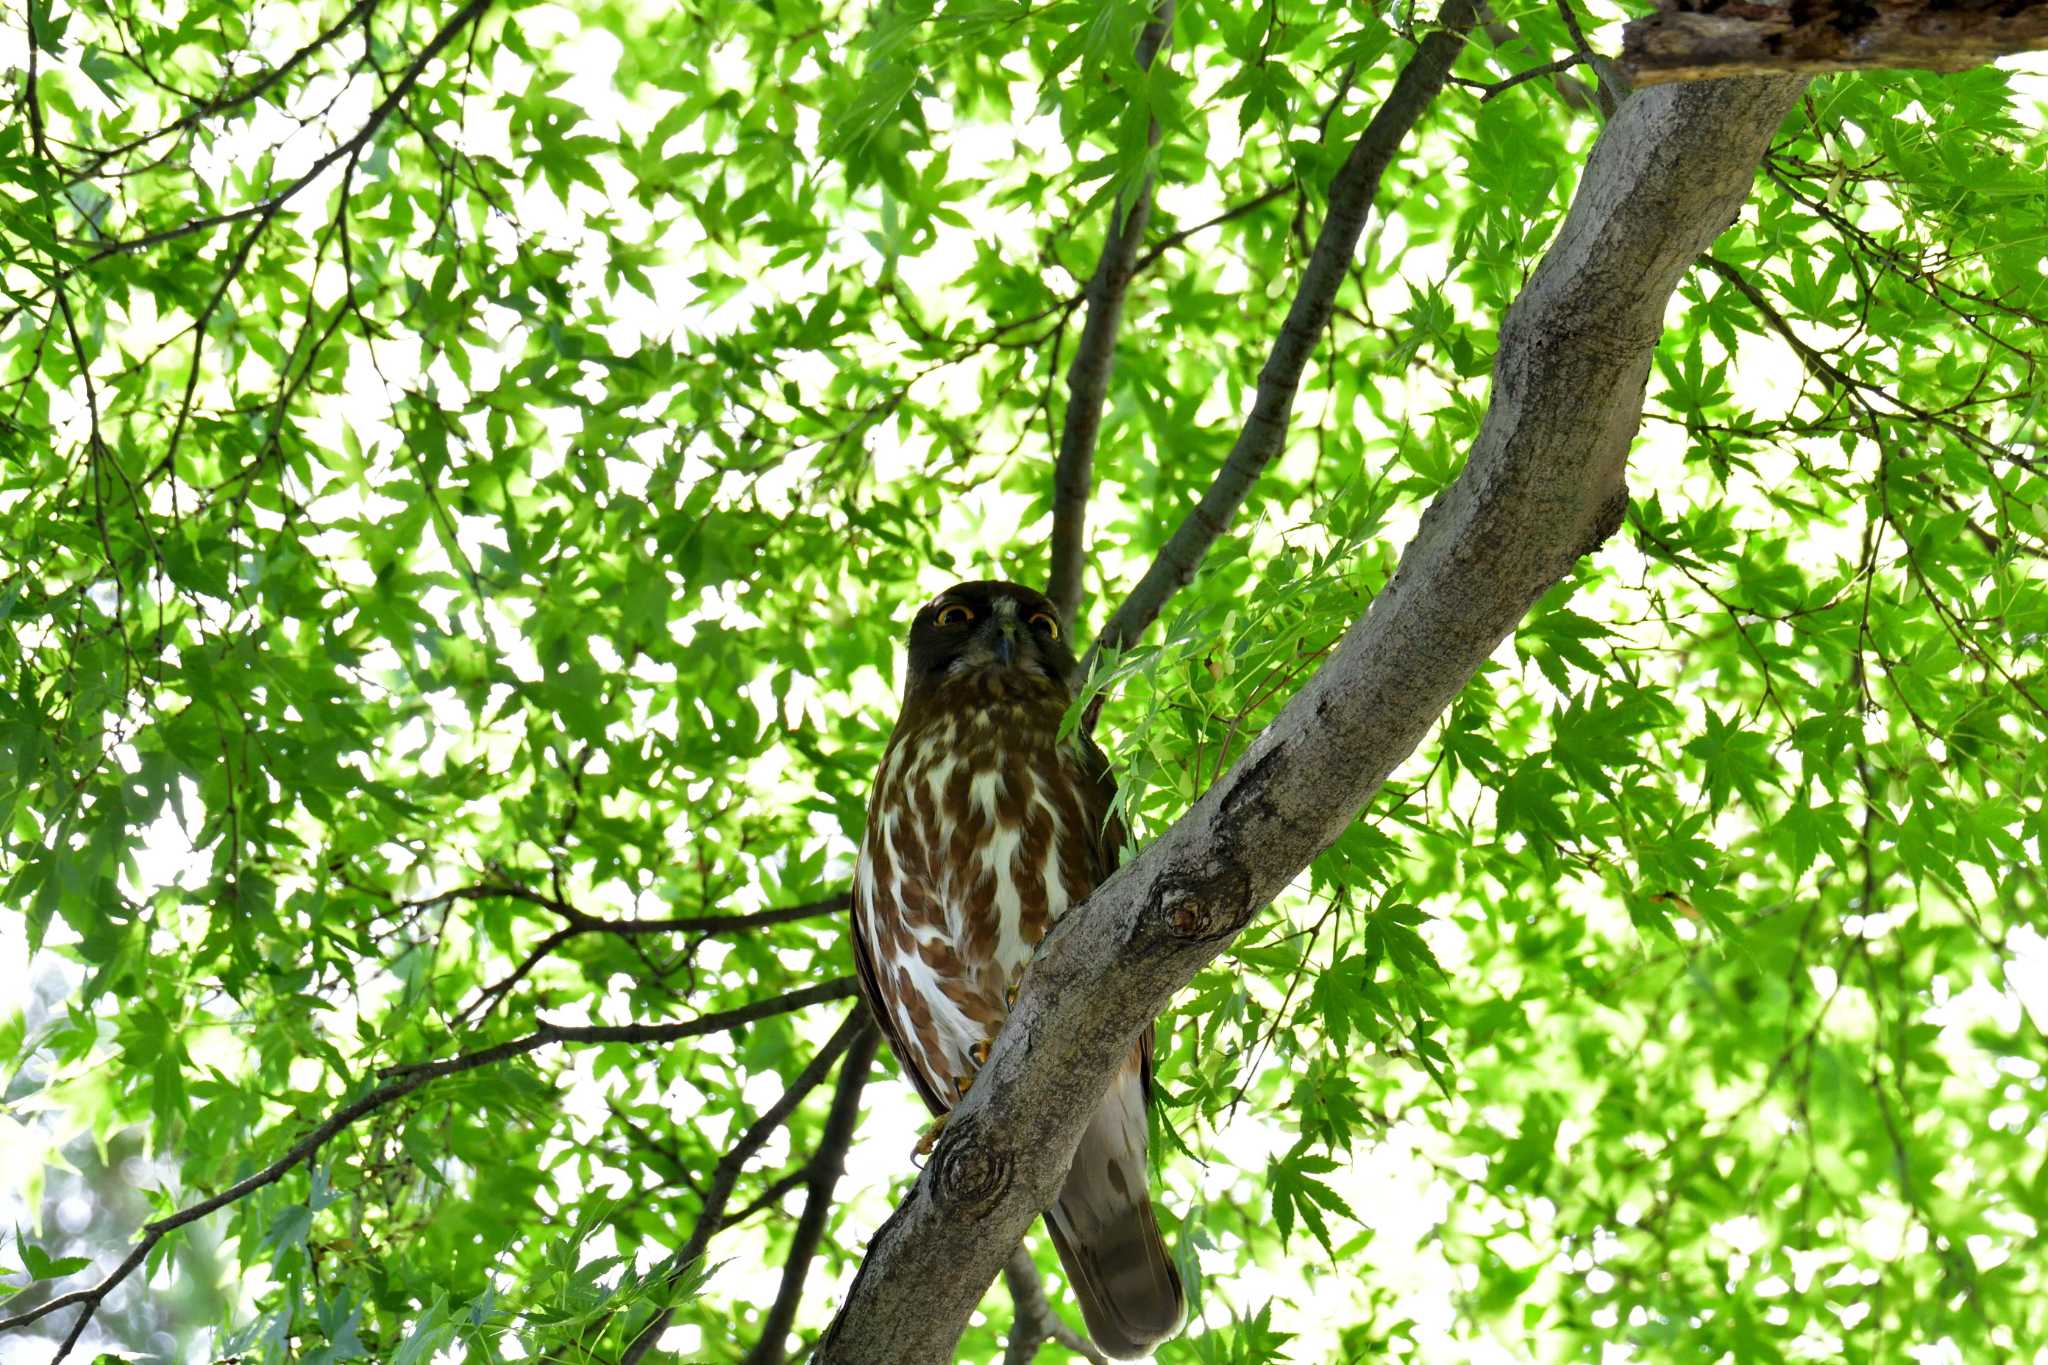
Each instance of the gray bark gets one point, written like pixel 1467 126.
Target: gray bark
pixel 1542 487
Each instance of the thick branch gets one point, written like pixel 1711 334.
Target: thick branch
pixel 1702 39
pixel 398 1083
pixel 1542 486
pixel 822 1174
pixel 1265 427
pixel 1088 377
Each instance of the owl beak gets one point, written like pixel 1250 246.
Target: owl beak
pixel 1004 645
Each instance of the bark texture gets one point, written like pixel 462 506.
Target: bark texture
pixel 1542 487
pixel 1699 39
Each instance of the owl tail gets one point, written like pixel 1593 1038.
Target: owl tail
pixel 1108 1240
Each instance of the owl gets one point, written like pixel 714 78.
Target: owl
pixel 984 827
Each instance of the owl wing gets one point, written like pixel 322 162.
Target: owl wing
pixel 870 985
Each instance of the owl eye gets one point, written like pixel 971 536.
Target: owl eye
pixel 953 614
pixel 1045 621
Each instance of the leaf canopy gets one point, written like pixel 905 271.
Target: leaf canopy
pixel 467 468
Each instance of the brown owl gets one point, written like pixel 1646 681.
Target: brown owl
pixel 984 828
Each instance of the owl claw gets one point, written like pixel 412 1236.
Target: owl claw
pixel 931 1136
pixel 1010 994
pixel 979 1054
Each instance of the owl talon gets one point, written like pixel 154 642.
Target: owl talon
pixel 979 1053
pixel 1010 995
pixel 931 1136
pixel 961 1085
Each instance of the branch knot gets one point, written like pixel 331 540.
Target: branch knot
pixel 970 1175
pixel 1204 909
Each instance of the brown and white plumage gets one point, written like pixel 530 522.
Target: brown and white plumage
pixel 983 828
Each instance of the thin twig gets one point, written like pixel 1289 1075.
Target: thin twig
pixel 1501 87
pixel 1231 214
pixel 580 922
pixel 1603 71
pixel 399 1082
pixel 269 207
pixel 254 89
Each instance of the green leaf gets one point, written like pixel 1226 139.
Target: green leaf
pixel 430 1332
pixel 41 1266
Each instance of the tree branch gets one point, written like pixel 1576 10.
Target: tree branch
pixel 1501 87
pixel 1611 84
pixel 1231 214
pixel 1508 41
pixel 1034 1322
pixel 584 922
pixel 547 1035
pixel 579 922
pixel 268 208
pixel 1816 364
pixel 1094 357
pixel 726 1174
pixel 398 1083
pixel 1695 40
pixel 822 1174
pixel 254 88
pixel 1542 486
pixel 1265 427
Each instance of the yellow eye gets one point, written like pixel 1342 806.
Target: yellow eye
pixel 1045 621
pixel 953 614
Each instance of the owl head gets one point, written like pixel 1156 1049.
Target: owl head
pixel 988 630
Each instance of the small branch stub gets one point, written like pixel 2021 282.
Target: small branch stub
pixel 1692 40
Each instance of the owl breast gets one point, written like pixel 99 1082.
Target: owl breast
pixel 979 836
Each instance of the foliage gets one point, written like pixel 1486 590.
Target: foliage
pixel 467 467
